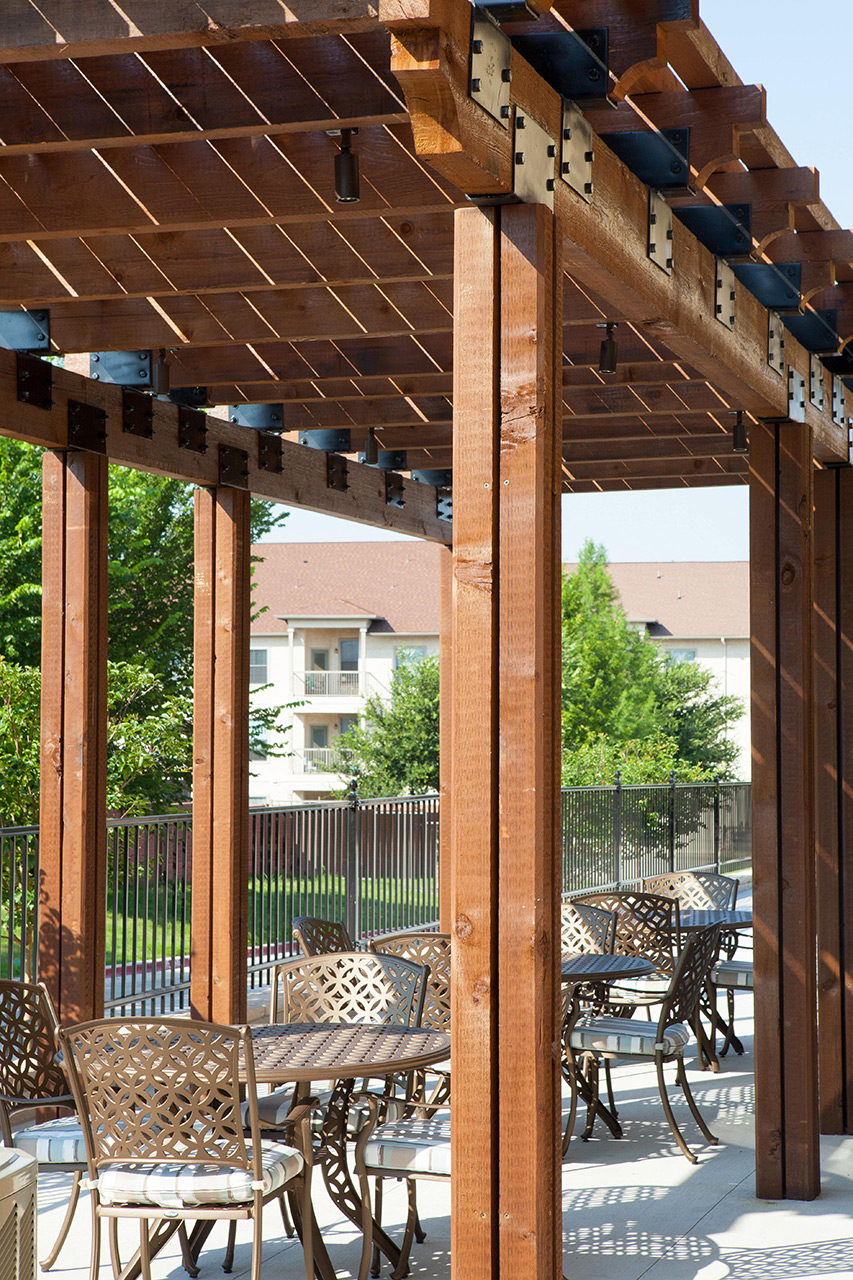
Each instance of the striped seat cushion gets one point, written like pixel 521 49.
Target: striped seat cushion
pixel 54 1142
pixel 626 1036
pixel 647 989
pixel 733 973
pixel 410 1146
pixel 174 1186
pixel 273 1110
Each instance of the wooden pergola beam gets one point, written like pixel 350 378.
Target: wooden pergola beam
pixel 303 480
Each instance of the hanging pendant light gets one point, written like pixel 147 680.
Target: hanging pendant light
pixel 347 190
pixel 609 353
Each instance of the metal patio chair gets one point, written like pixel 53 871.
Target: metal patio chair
pixel 596 1038
pixel 319 937
pixel 647 925
pixel 584 927
pixel 161 1109
pixel 695 890
pixel 31 1076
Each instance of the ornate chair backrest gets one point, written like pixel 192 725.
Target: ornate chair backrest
pixel 433 951
pixel 351 986
pixel 586 928
pixel 319 937
pixel 647 924
pixel 165 1090
pixel 691 971
pixel 695 890
pixel 29 1071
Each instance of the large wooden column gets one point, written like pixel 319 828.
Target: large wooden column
pixel 445 593
pixel 781 590
pixel 220 872
pixel 834 795
pixel 505 883
pixel 72 847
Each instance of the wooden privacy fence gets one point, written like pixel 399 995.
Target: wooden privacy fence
pixel 372 864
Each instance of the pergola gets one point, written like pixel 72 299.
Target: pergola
pixel 167 182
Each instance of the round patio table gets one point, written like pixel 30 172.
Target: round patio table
pixel 299 1053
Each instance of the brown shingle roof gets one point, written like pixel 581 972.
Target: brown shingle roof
pixel 395 583
pixel 685 599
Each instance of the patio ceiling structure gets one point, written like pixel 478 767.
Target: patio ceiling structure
pixel 528 174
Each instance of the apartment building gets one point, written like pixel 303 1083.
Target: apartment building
pixel 333 620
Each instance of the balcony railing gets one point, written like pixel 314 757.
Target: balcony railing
pixel 327 684
pixel 312 760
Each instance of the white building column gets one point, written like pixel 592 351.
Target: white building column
pixel 362 661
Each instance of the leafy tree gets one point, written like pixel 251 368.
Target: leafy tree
pixel 624 706
pixel 396 753
pixel 150 582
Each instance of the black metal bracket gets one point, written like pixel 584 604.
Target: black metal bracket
pixel 25 330
pixel 814 330
pixel 35 381
pixel 489 69
pixel 137 414
pixel 724 294
pixel 190 397
pixel 336 472
pixel 192 430
pixel 572 62
pixel 269 452
pixel 233 467
pixel 658 157
pixel 87 427
pixel 444 503
pixel 775 343
pixel 439 477
pixel 260 417
pixel 534 162
pixel 122 368
pixel 775 285
pixel 328 441
pixel 660 232
pixel 387 460
pixel 724 229
pixel 394 490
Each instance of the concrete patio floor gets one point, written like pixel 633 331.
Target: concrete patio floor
pixel 631 1208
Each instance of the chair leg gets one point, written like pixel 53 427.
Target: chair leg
pixel 376 1260
pixel 420 1234
pixel 611 1101
pixel 95 1264
pixel 257 1242
pixel 186 1251
pixel 664 1097
pixel 289 1229
pixel 115 1256
pixel 691 1102
pixel 73 1197
pixel 573 1110
pixel 592 1070
pixel 228 1260
pixel 144 1250
pixel 402 1268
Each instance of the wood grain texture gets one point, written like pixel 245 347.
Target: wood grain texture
pixel 529 683
pixel 446 738
pixel 787 1141
pixel 474 793
pixel 201 933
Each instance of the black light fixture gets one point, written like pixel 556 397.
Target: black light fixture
pixel 609 354
pixel 740 439
pixel 346 169
pixel 371 449
pixel 160 375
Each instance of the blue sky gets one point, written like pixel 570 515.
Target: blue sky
pixel 800 54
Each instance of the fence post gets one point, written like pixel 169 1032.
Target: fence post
pixel 672 820
pixel 617 830
pixel 717 823
pixel 352 882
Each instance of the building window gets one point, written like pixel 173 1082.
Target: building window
pixel 680 655
pixel 406 653
pixel 319 659
pixel 319 737
pixel 348 722
pixel 349 655
pixel 257 666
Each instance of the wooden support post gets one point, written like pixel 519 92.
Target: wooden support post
pixel 781 590
pixel 445 593
pixel 221 755
pixel 834 803
pixel 504 822
pixel 72 906
pixel 530 1214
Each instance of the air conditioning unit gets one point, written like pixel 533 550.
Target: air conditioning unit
pixel 18 1177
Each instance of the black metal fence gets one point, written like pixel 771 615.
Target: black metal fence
pixel 372 864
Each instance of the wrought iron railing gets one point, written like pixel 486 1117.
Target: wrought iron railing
pixel 372 864
pixel 327 684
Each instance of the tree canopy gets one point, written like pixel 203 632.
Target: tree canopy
pixel 623 705
pixel 396 751
pixel 150 637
